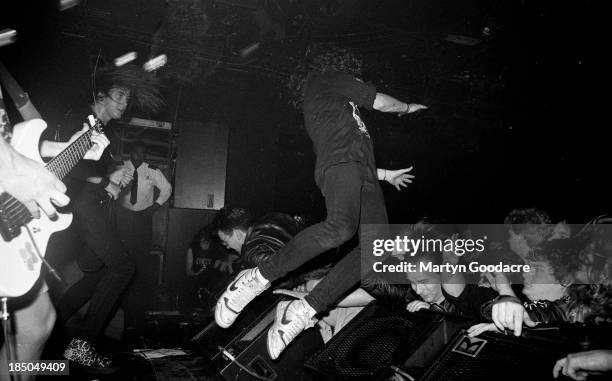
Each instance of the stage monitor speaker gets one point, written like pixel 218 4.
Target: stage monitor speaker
pixel 493 356
pixel 373 341
pixel 201 163
pixel 250 351
pixel 211 337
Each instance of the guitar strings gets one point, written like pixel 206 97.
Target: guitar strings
pixel 15 210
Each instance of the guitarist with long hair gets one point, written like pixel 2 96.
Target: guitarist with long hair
pixel 35 187
pixel 105 262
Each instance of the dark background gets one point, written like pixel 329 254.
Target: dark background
pixel 513 120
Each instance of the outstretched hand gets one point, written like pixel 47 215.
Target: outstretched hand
pixel 412 107
pixel 399 178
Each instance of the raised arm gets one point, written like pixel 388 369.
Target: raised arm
pixel 357 298
pixel 453 284
pixel 386 103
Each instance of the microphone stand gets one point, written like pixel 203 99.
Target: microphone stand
pixel 8 341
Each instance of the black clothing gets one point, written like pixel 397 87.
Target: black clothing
pixel 352 197
pixel 540 311
pixel 469 302
pixel 389 294
pixel 266 237
pixel 346 174
pixel 213 279
pixel 582 303
pixel 334 123
pixel 101 285
pixel 205 287
pixel 105 262
pixel 198 253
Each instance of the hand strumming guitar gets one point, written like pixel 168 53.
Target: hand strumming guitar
pixel 29 182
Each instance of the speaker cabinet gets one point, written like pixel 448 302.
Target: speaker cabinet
pixel 201 166
pixel 250 350
pixel 493 356
pixel 375 339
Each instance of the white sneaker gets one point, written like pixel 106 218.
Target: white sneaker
pixel 292 317
pixel 245 287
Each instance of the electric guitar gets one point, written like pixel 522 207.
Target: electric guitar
pixel 24 239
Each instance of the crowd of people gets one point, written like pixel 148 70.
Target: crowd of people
pixel 569 282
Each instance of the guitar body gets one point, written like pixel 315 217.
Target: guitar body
pixel 19 262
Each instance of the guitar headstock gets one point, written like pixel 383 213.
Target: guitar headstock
pixel 95 124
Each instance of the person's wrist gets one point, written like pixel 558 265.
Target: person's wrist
pixel 506 298
pixel 104 182
pixel 406 111
pixel 505 290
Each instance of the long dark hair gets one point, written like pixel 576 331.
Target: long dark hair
pixel 144 86
pixel 317 58
pixel 590 303
pixel 204 233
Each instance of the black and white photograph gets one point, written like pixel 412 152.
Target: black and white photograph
pixel 304 190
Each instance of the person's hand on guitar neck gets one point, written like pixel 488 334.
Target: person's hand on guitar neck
pixel 29 182
pixel 100 142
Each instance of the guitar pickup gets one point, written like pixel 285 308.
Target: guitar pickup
pixel 11 220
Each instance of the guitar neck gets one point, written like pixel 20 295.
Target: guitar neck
pixel 70 156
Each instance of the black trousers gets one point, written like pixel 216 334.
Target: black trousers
pixel 353 197
pixel 107 268
pixel 135 232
